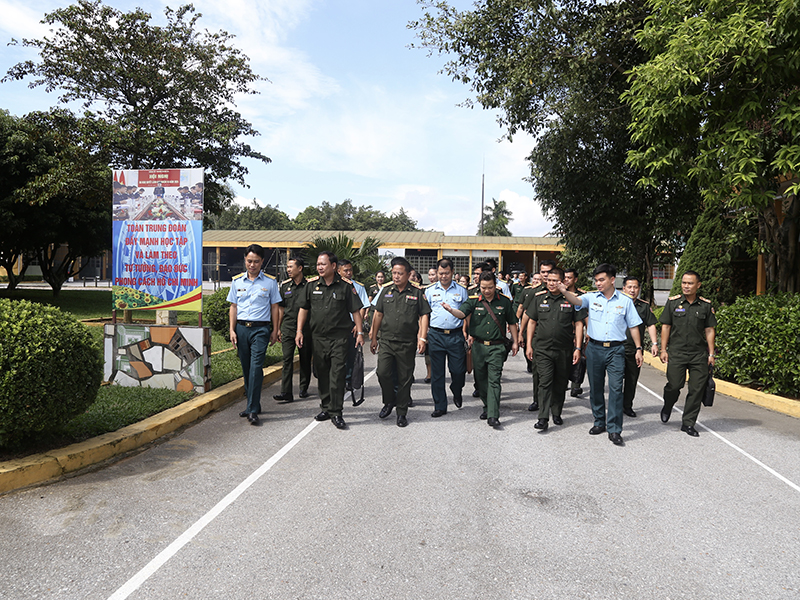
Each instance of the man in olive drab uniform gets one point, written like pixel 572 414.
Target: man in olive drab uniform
pixel 525 300
pixel 557 326
pixel 631 287
pixel 688 335
pixel 254 298
pixel 488 340
pixel 571 281
pixel 401 313
pixel 345 270
pixel 292 291
pixel 330 301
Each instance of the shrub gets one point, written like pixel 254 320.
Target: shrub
pixel 758 342
pixel 216 309
pixel 50 369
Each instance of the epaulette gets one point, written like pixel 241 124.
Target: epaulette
pixel 286 281
pixel 239 276
pixel 644 301
pixel 425 287
pixel 475 296
pixel 675 297
pixel 415 284
pixel 314 278
pixel 462 285
pixel 705 299
pixel 271 276
pixel 359 283
pixel 540 293
pixel 505 296
pixel 387 284
pixel 580 290
pixel 346 280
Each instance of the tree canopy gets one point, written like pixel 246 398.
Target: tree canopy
pixel 347 217
pixel 154 96
pixel 496 218
pixel 718 103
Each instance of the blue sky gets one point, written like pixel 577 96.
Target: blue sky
pixel 349 112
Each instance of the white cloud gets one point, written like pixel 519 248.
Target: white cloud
pixel 22 19
pixel 527 215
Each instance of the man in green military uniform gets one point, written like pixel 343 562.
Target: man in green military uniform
pixel 631 286
pixel 578 372
pixel 330 300
pixel 687 343
pixel 557 326
pixel 292 290
pixel 491 314
pixel 401 313
pixel 525 301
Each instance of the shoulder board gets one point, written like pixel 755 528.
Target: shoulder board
pixel 425 287
pixel 239 276
pixel 346 280
pixel 528 287
pixel 386 284
pixel 475 296
pixel 505 296
pixel 270 276
pixel 674 297
pixel 705 299
pixel 314 278
pixel 643 301
pixel 462 285
pixel 286 281
pixel 580 290
pixel 415 284
pixel 359 283
pixel 540 293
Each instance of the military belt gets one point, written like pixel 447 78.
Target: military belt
pixel 489 342
pixel 446 331
pixel 605 344
pixel 253 323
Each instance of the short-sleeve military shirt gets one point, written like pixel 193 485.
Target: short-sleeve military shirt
pixel 482 325
pixel 331 306
pixel 254 298
pixel 291 298
pixel 401 312
pixel 555 318
pixel 648 318
pixel 688 322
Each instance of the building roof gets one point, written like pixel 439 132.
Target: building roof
pixel 292 238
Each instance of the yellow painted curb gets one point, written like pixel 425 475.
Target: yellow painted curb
pixel 39 468
pixel 786 406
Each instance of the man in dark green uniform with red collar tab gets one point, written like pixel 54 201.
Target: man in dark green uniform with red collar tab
pixel 491 313
pixel 556 325
pixel 631 286
pixel 688 335
pixel 401 313
pixel 330 300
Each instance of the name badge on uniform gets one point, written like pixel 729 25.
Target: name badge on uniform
pixel 388 295
pixel 288 292
pixel 316 292
pixel 597 306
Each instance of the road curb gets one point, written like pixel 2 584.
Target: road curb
pixel 779 404
pixel 41 468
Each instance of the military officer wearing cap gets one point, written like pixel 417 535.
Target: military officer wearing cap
pixel 401 325
pixel 491 313
pixel 631 286
pixel 254 298
pixel 292 290
pixel 446 338
pixel 611 313
pixel 557 326
pixel 329 302
pixel 688 335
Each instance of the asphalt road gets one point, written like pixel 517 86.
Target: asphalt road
pixel 445 508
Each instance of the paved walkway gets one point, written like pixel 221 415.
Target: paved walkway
pixel 445 508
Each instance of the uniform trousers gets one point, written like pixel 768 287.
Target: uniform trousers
pixel 554 370
pixel 599 361
pixel 487 363
pixel 396 360
pixel 330 358
pixel 451 347
pixel 631 379
pixel 251 345
pixel 288 345
pixel 677 366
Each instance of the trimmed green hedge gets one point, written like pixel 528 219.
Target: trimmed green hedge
pixel 50 369
pixel 758 343
pixel 216 311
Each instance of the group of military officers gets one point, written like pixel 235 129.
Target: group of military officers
pixel 565 332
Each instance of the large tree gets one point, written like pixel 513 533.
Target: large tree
pixel 495 219
pixel 155 96
pixel 347 217
pixel 718 103
pixel 552 69
pixel 250 217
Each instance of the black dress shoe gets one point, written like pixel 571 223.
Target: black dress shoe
pixel 385 411
pixel 338 422
pixel 458 400
pixel 438 413
pixel 629 412
pixel 323 416
pixel 476 394
pixel 304 393
pixel 616 439
pixel 597 430
pixel 283 397
pixel 557 420
pixel 244 413
pixel 665 415
pixel 494 422
pixel 533 407
pixel 402 421
pixel 690 430
pixel 483 415
pixel 427 380
pixel 542 424
pixel 253 418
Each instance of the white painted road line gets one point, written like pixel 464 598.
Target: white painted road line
pixel 187 536
pixel 732 445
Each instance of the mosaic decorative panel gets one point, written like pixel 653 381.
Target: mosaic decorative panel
pixel 158 356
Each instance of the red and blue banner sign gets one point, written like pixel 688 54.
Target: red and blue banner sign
pixel 158 239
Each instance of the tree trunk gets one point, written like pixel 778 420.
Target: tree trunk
pixel 778 229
